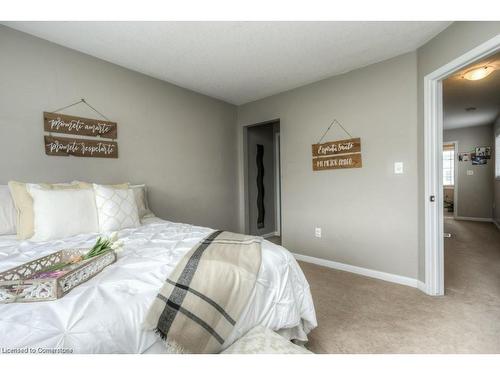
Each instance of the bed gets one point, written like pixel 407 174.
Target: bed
pixel 104 315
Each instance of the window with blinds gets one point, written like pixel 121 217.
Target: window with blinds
pixel 449 165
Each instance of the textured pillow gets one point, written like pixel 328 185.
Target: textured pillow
pixel 8 214
pixel 24 205
pixel 141 198
pixel 62 213
pixel 116 208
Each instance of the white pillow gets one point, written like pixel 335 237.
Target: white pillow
pixel 62 213
pixel 116 208
pixel 141 198
pixel 8 213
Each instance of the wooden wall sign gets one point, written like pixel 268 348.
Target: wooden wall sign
pixel 59 123
pixel 341 154
pixel 345 146
pixel 63 146
pixel 337 162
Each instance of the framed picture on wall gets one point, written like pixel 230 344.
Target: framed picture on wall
pixel 478 159
pixel 464 156
pixel 484 152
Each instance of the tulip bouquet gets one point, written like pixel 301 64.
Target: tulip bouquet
pixel 102 246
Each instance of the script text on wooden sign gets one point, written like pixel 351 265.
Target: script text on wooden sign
pixel 337 162
pixel 345 146
pixel 341 154
pixel 59 123
pixel 63 146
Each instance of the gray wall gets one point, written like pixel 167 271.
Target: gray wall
pixel 453 42
pixel 264 135
pixel 496 183
pixel 368 215
pixel 475 193
pixel 185 147
pixel 180 143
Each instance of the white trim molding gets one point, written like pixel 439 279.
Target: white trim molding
pixel 455 177
pixel 421 286
pixel 272 234
pixel 277 182
pixel 433 163
pixel 484 219
pixel 497 223
pixel 397 279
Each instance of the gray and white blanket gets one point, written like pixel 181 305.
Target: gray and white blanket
pixel 201 301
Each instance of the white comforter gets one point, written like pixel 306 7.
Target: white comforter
pixel 104 315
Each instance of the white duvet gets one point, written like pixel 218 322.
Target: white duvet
pixel 104 315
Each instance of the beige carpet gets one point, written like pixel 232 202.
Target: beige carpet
pixel 358 314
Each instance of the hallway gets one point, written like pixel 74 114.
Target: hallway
pixel 472 260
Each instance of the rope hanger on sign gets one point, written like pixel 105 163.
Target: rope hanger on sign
pixel 82 100
pixel 335 121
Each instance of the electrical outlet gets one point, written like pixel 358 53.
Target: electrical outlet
pixel 470 172
pixel 398 167
pixel 317 232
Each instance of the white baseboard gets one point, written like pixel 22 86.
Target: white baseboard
pixel 403 280
pixel 497 223
pixel 272 234
pixel 421 286
pixel 484 219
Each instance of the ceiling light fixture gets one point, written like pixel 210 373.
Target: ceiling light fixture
pixel 478 73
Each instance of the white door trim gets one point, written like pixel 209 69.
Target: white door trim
pixel 277 190
pixel 455 187
pixel 455 175
pixel 433 145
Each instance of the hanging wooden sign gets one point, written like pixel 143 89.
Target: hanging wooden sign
pixel 341 154
pixel 345 146
pixel 337 162
pixel 59 123
pixel 62 146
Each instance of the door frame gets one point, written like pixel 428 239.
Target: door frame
pixel 277 196
pixel 455 176
pixel 433 163
pixel 277 181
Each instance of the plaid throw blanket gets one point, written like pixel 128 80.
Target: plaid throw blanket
pixel 199 304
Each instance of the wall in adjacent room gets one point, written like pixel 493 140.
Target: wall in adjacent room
pixel 453 42
pixel 180 143
pixel 475 192
pixel 369 215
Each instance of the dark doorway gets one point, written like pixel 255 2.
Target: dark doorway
pixel 263 183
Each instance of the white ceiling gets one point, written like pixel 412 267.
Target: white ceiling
pixel 484 95
pixel 238 62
